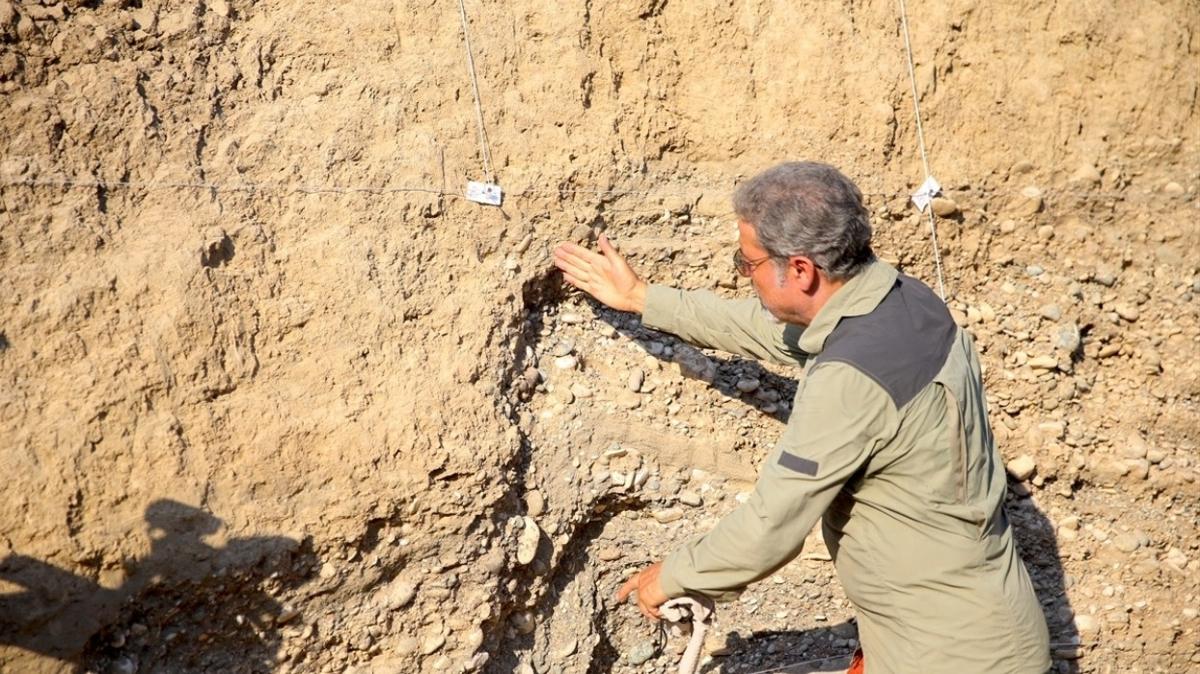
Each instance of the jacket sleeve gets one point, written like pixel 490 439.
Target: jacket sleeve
pixel 841 417
pixel 742 327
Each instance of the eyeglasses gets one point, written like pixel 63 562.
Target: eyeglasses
pixel 744 266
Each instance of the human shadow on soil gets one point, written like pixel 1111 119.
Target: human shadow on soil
pixel 185 606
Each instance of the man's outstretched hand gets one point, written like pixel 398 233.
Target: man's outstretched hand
pixel 650 594
pixel 604 275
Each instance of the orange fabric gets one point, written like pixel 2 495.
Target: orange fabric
pixel 857 663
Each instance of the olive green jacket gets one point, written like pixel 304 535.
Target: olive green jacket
pixel 889 441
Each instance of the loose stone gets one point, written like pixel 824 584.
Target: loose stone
pixel 566 362
pixel 747 385
pixel 1043 363
pixel 1086 624
pixel 1068 338
pixel 1051 311
pixel 668 515
pixel 1022 468
pixel 1127 312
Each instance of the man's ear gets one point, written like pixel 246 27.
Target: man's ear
pixel 804 272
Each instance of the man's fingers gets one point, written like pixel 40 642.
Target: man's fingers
pixel 647 610
pixel 573 268
pixel 583 255
pixel 607 247
pixel 627 589
pixel 575 282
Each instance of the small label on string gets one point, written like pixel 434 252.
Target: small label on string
pixel 925 194
pixel 484 193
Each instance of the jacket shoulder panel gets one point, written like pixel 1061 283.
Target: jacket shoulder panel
pixel 901 345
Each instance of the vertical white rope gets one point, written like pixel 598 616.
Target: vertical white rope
pixel 912 78
pixel 485 153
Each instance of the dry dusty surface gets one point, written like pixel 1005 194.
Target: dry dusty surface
pixel 264 407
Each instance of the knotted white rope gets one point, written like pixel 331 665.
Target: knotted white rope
pixel 698 612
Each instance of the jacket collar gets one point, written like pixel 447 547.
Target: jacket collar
pixel 860 295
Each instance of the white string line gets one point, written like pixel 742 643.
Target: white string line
pixel 225 187
pixel 912 77
pixel 10 181
pixel 789 665
pixel 483 143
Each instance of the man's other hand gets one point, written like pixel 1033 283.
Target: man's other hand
pixel 650 594
pixel 604 275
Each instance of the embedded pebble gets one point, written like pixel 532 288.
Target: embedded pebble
pixel 609 554
pixel 524 621
pixel 641 653
pixel 1029 202
pixel 580 391
pixel 563 348
pixel 944 206
pixel 628 400
pixel 528 540
pixel 1128 541
pixel 1127 312
pixel 1087 174
pixel 690 498
pixel 570 318
pixel 566 362
pixel 432 643
pixel 398 594
pixel 535 503
pixel 1051 311
pixel 635 381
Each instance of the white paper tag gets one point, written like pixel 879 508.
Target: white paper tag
pixel 925 194
pixel 484 193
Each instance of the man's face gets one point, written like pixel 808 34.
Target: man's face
pixel 776 292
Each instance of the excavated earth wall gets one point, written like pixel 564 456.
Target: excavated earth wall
pixel 274 397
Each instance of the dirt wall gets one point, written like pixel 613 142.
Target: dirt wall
pixel 265 376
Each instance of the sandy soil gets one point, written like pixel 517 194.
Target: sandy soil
pixel 274 397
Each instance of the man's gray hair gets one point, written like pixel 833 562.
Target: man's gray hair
pixel 810 209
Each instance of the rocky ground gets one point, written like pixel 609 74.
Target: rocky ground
pixel 274 397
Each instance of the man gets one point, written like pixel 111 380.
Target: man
pixel 888 439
